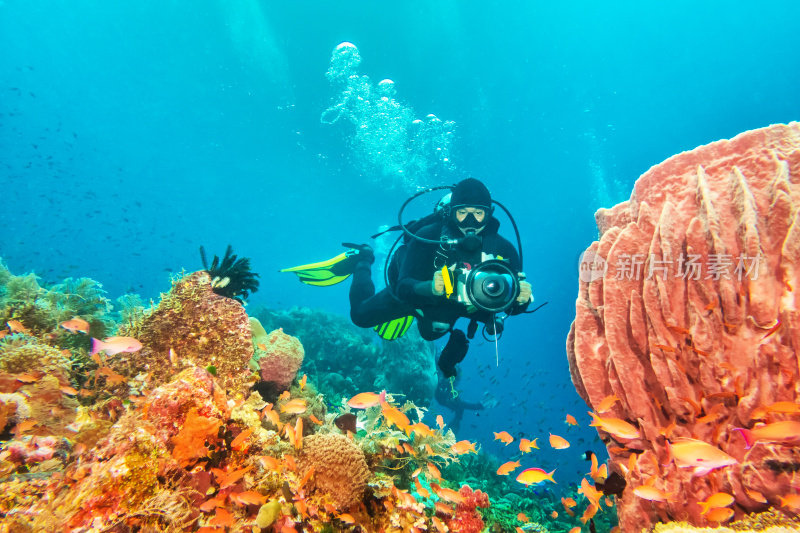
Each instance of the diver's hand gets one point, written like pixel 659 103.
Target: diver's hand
pixel 525 293
pixel 437 286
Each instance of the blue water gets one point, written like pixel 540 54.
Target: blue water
pixel 133 132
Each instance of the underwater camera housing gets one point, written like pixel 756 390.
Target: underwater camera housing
pixel 491 286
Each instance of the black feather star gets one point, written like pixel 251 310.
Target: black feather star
pixel 231 277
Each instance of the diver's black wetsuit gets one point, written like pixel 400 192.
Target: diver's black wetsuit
pixel 417 263
pixel 445 396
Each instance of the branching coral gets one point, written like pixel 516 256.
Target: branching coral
pixel 41 309
pixel 82 296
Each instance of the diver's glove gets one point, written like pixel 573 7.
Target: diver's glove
pixel 525 292
pixel 437 287
pixel 453 353
pixel 364 252
pixel 495 327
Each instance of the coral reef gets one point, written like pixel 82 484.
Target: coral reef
pixel 192 326
pixel 335 344
pixel 192 391
pixel 277 355
pixel 467 518
pixel 338 468
pixel 26 355
pixel 687 314
pixel 41 309
pixel 171 437
pixel 770 521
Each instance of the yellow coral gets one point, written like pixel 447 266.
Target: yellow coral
pixel 340 470
pixel 771 521
pixel 34 356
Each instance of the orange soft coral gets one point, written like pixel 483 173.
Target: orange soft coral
pixel 190 442
pixel 468 519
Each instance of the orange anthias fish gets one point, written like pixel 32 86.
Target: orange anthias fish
pixel 241 440
pixel 434 471
pixel 784 407
pixel 785 432
pixel 792 501
pixel 697 454
pixel 719 499
pixel 462 447
pixel 450 495
pixel 115 345
pixel 558 443
pixel 721 514
pixel 526 445
pixel 395 416
pixel 615 426
pixel 364 400
pixel 76 325
pixel 591 493
pixel 589 513
pixel 649 492
pixel 571 420
pixel 532 476
pixel 504 437
pixel 248 498
pixel 440 421
pixel 506 468
pixel 606 403
pixel 294 407
pixel 421 429
pixel 755 495
pixel 16 326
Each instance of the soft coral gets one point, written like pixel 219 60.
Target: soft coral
pixel 468 519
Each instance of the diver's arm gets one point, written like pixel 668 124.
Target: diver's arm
pixel 415 282
pixel 511 255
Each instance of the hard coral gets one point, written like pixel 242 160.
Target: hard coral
pixel 694 325
pixel 279 358
pixel 467 518
pixel 193 390
pixel 135 474
pixel 35 356
pixel 340 470
pixel 192 326
pixel 405 364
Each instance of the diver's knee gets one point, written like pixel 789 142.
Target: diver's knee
pixel 433 330
pixel 360 320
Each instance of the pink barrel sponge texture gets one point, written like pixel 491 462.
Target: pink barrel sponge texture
pixel 697 352
pixel 280 358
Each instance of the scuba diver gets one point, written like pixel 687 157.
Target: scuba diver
pixel 453 263
pixel 447 396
